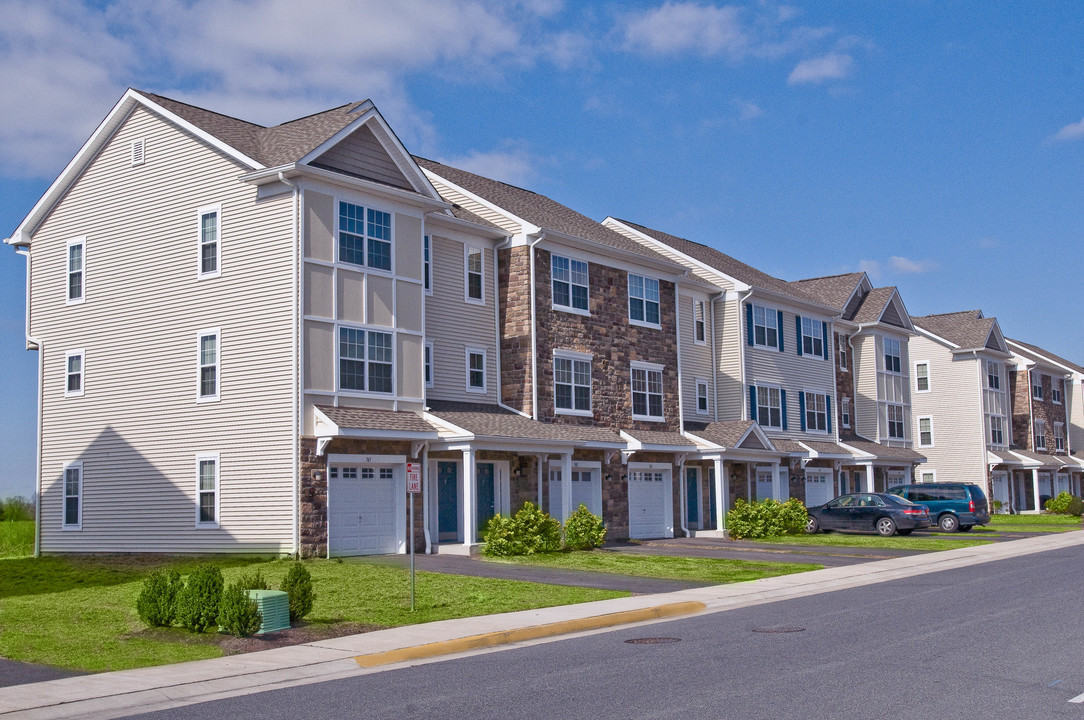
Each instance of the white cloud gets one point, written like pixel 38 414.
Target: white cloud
pixel 870 267
pixel 833 66
pixel 987 243
pixel 910 267
pixel 678 27
pixel 511 163
pixel 748 110
pixel 1072 131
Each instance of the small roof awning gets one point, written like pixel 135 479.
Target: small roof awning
pixel 742 440
pixel 371 423
pixel 867 451
pixel 826 450
pixel 657 441
pixel 492 424
pixel 1030 459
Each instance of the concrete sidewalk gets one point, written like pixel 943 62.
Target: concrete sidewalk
pixel 117 694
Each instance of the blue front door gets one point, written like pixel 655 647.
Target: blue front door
pixel 692 493
pixel 487 500
pixel 448 500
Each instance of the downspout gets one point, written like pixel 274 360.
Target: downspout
pixel 714 367
pixel 30 339
pixel 534 332
pixel 854 387
pixel 683 511
pixel 296 341
pixel 425 499
pixel 743 344
pixel 677 334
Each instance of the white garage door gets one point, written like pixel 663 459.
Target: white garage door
pixel 647 504
pixel 818 489
pixel 764 485
pixel 586 490
pixel 361 510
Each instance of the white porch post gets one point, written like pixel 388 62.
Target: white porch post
pixel 541 459
pixel 777 483
pixel 566 486
pixel 470 498
pixel 721 495
pixel 869 477
pixel 1035 488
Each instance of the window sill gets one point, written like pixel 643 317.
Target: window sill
pixel 209 276
pixel 208 399
pixel 644 324
pixel 575 413
pixel 648 418
pixel 571 310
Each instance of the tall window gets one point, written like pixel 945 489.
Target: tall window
pixel 702 397
pixel 207 490
pixel 427 264
pixel 476 370
pixel 993 375
pixel 765 326
pixel 925 431
pixel 76 250
pixel 646 393
pixel 997 430
pixel 845 412
pixel 429 364
pixel 842 340
pixel 365 360
pixel 570 283
pixel 816 412
pixel 208 365
pixel 1040 435
pixel 892 355
pixel 572 384
pixel 73 377
pixel 769 404
pixel 73 496
pixel 474 272
pixel 1057 390
pixel 1036 385
pixel 895 422
pixel 812 337
pixel 364 236
pixel 209 242
pixel 1059 437
pixel 643 299
pixel 699 329
pixel 922 377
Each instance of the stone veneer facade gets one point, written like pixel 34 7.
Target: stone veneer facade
pixel 845 387
pixel 1026 410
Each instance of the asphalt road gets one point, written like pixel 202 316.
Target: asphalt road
pixel 997 640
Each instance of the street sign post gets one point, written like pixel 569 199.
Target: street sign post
pixel 414 486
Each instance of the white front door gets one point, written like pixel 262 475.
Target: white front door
pixel 1000 489
pixel 362 503
pixel 818 488
pixel 650 504
pixel 764 484
pixel 1061 484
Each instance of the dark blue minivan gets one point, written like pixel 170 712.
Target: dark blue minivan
pixel 953 506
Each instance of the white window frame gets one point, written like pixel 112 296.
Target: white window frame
pixel 902 421
pixel 919 376
pixel 645 300
pixel 366 237
pixel 1040 434
pixel 1036 389
pixel 572 272
pixel 808 410
pixel 929 419
pixel 468 352
pixel 468 252
pixel 82 355
pixel 771 322
pixel 427 264
pixel 427 363
pixel 932 476
pixel 575 357
pixel 1059 437
pixel 1056 393
pixel 897 367
pixel 648 369
pixel 815 335
pixel 700 325
pixel 200 459
pixel 366 360
pixel 201 213
pixel 217 334
pixel 78 524
pixel 1001 430
pixel 993 372
pixel 764 392
pixel 845 411
pixel 702 394
pixel 841 340
pixel 68 299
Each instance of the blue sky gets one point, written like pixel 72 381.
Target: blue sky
pixel 936 145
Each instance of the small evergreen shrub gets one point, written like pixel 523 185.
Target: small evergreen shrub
pixel 197 603
pixel 1076 507
pixel 766 518
pixel 255 581
pixel 584 530
pixel 298 587
pixel 529 531
pixel 157 603
pixel 1059 504
pixel 237 613
pixel 500 537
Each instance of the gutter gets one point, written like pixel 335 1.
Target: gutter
pixel 295 236
pixel 743 344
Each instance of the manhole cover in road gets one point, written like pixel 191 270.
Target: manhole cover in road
pixel 779 629
pixel 652 641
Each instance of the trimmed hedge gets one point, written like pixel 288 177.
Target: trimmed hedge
pixel 766 518
pixel 1065 504
pixel 527 532
pixel 584 530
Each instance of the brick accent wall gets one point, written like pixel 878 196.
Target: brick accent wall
pixel 845 387
pixel 513 287
pixel 1026 410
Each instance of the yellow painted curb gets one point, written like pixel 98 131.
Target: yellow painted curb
pixel 507 637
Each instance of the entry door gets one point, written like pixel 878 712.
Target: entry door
pixel 711 496
pixel 692 497
pixel 1001 489
pixel 492 481
pixel 764 484
pixel 448 501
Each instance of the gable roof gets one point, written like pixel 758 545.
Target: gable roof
pixel 967 330
pixel 1034 352
pixel 833 290
pixel 857 300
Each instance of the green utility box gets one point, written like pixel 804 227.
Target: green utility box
pixel 274 607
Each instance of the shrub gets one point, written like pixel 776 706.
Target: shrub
pixel 16 509
pixel 1076 507
pixel 197 603
pixel 529 531
pixel 298 587
pixel 255 581
pixel 766 518
pixel 237 613
pixel 1059 504
pixel 157 603
pixel 584 530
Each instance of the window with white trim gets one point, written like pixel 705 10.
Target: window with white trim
pixel 427 265
pixel 644 300
pixel 76 251
pixel 473 270
pixel 928 477
pixel 476 370
pixel 997 430
pixel 765 326
pixel 1040 435
pixel 925 431
pixel 73 496
pixel 702 397
pixel 646 392
pixel 812 337
pixel 769 406
pixel 365 360
pixel 816 412
pixel 845 412
pixel 208 352
pixel 892 355
pixel 429 364
pixel 207 490
pixel 209 230
pixel 922 377
pixel 1059 437
pixel 1057 390
pixel 571 384
pixel 1036 385
pixel 993 375
pixel 74 361
pixel 700 336
pixel 364 236
pixel 842 340
pixel 895 422
pixel 570 282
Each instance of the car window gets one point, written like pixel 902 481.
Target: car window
pixel 876 501
pixel 954 493
pixel 898 500
pixel 842 501
pixel 897 491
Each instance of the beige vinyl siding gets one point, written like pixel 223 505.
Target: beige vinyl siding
pixel 955 404
pixel 695 359
pixel 865 362
pixel 729 332
pixel 137 429
pixel 363 155
pixel 452 324
pixel 452 195
pixel 1074 393
pixel 893 389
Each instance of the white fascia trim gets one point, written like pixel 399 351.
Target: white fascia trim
pixel 672 271
pixel 856 453
pixel 527 228
pixel 382 434
pixel 485 231
pixel 815 454
pixel 293 170
pixel 656 245
pixel 937 338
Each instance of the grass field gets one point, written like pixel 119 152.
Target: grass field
pixel 16 538
pixel 930 543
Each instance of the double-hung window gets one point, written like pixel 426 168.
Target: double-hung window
pixel 476 370
pixel 571 383
pixel 765 326
pixel 895 422
pixel 997 430
pixel 364 236
pixel 925 431
pixel 643 300
pixel 845 412
pixel 842 340
pixel 646 392
pixel 208 353
pixel 473 266
pixel 1036 385
pixel 993 375
pixel 1040 435
pixel 74 373
pixel 365 360
pixel 702 397
pixel 816 412
pixel 207 490
pixel 427 264
pixel 1059 437
pixel 1057 390
pixel 922 377
pixel 429 364
pixel 570 284
pixel 699 324
pixel 209 229
pixel 892 355
pixel 73 496
pixel 812 337
pixel 76 270
pixel 769 406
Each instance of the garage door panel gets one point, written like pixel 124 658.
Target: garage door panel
pixel 362 504
pixel 647 505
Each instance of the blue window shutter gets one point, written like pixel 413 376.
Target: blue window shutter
pixel 825 346
pixel 749 323
pixel 753 403
pixel 828 409
pixel 779 327
pixel 798 326
pixel 783 407
pixel 801 409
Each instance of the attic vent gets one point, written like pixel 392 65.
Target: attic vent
pixel 137 152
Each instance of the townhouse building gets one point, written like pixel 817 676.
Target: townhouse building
pixel 874 373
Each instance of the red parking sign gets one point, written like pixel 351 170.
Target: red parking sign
pixel 414 477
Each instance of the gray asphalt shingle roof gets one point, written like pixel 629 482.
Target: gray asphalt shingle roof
pixel 832 290
pixel 494 421
pixel 883 452
pixel 656 437
pixel 373 419
pixel 967 329
pixel 1040 354
pixel 724 433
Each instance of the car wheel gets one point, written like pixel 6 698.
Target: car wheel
pixel 886 526
pixel 811 525
pixel 903 532
pixel 966 528
pixel 948 523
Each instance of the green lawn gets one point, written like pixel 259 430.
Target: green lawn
pixel 1068 521
pixel 914 542
pixel 16 538
pixel 708 570
pixel 79 613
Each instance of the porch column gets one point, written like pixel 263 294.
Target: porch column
pixel 777 483
pixel 541 460
pixel 470 498
pixel 1035 488
pixel 722 493
pixel 869 477
pixel 566 486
